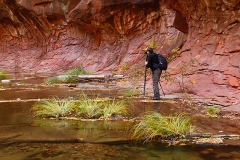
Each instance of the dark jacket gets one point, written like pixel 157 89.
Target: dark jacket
pixel 151 59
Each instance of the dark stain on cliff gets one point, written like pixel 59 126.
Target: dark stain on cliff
pixel 180 23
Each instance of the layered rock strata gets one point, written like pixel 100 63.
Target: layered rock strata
pixel 102 35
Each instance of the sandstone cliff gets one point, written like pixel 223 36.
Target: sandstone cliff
pixel 102 35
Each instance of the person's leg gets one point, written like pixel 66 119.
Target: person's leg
pixel 155 78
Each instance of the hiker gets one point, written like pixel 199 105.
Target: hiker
pixel 156 72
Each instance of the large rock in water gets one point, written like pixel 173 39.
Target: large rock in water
pixel 102 35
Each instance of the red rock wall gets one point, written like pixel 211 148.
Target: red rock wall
pixel 102 35
pixel 98 35
pixel 210 58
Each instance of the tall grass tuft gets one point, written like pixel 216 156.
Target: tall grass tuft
pixel 3 75
pixel 53 108
pixel 88 107
pixel 211 111
pixel 154 125
pixel 85 107
pixel 114 108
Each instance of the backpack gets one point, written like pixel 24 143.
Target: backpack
pixel 163 64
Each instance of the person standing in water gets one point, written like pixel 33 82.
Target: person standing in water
pixel 156 72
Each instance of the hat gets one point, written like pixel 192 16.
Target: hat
pixel 150 50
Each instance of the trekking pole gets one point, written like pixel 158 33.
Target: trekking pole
pixel 144 84
pixel 161 87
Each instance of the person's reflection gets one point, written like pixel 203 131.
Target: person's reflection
pixel 156 106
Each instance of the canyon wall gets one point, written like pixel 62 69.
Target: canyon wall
pixel 102 35
pixel 98 35
pixel 209 61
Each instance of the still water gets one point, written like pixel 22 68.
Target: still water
pixel 24 137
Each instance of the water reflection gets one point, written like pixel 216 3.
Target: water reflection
pixel 23 136
pixel 72 151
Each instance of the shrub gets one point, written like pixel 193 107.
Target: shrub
pixel 125 67
pixel 153 44
pixel 153 125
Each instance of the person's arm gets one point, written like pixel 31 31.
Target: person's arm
pixel 149 61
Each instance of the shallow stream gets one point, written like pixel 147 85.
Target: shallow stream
pixel 24 137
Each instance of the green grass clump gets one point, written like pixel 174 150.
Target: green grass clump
pixel 114 108
pixel 70 80
pixel 85 107
pixel 154 125
pixel 90 108
pixel 67 77
pixel 129 93
pixel 211 111
pixel 3 75
pixel 53 108
pixel 53 80
pixel 96 107
pixel 77 71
